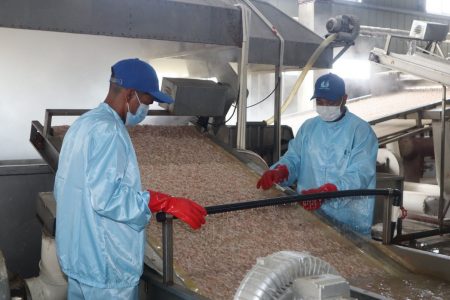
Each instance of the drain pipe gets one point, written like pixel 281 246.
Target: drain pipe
pixel 278 81
pixel 243 63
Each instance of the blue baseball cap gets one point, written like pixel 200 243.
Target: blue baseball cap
pixel 136 74
pixel 329 87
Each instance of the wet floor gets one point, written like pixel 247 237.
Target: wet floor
pixel 409 287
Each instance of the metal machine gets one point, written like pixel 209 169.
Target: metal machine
pixel 164 287
pixel 227 37
pixel 49 146
pixel 430 64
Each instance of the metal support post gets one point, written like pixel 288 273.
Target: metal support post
pixel 278 80
pixel 387 222
pixel 387 44
pixel 243 62
pixel 167 236
pixel 277 115
pixel 47 122
pixel 441 213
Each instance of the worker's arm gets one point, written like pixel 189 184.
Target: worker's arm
pixel 283 172
pixel 292 158
pixel 111 193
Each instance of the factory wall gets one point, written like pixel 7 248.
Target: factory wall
pixel 261 84
pixel 41 70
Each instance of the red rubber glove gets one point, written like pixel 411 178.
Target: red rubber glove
pixel 317 203
pixel 270 177
pixel 184 209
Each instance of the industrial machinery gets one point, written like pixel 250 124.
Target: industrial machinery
pixel 49 145
pixel 228 34
pixel 46 213
pixel 237 38
pixel 428 63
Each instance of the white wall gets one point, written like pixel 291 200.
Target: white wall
pixel 40 70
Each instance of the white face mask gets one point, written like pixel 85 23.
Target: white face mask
pixel 141 113
pixel 328 113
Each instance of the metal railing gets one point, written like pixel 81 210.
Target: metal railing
pixel 393 198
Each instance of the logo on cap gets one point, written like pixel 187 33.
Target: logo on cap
pixel 325 84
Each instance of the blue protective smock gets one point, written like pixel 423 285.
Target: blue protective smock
pixel 344 153
pixel 79 291
pixel 101 210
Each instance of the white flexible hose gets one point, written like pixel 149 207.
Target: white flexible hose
pixel 51 282
pixel 272 276
pixel 305 70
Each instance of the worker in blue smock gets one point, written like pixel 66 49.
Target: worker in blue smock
pixel 333 151
pixel 102 210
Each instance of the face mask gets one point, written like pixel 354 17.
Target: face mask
pixel 141 113
pixel 328 113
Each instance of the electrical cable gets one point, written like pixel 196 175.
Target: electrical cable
pixel 267 97
pixel 224 122
pixel 234 110
pixel 235 106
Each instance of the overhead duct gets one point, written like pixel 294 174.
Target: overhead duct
pixel 191 26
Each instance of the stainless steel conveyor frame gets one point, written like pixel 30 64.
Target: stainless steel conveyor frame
pixel 48 146
pixel 433 68
pixel 51 142
pixel 392 198
pixel 418 127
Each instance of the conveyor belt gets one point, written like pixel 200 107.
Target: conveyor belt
pixel 181 161
pixel 385 107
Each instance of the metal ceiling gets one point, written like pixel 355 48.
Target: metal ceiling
pixel 185 22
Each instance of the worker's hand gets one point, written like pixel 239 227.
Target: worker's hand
pixel 270 177
pixel 317 203
pixel 403 213
pixel 184 209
